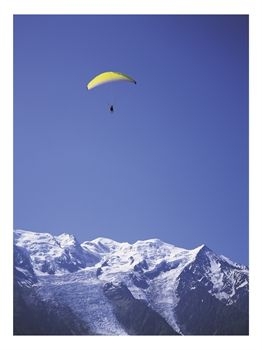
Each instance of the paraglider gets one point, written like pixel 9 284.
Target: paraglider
pixel 109 77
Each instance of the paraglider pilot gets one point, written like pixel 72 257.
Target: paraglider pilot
pixel 108 77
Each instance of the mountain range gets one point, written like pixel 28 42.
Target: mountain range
pixel 104 287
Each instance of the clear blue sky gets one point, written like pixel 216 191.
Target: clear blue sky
pixel 171 162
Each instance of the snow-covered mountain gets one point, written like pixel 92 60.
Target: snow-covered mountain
pixel 54 254
pixel 106 287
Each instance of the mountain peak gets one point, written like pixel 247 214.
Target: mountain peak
pixel 151 241
pixel 104 240
pixel 66 240
pixel 101 245
pixel 202 249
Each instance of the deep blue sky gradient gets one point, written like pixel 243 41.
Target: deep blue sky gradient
pixel 171 162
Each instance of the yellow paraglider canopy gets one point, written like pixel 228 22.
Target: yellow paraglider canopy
pixel 108 77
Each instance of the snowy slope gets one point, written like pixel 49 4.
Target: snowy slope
pixel 54 254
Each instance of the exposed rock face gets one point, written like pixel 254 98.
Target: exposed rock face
pixel 135 315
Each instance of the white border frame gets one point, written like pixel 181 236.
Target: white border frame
pixel 8 8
